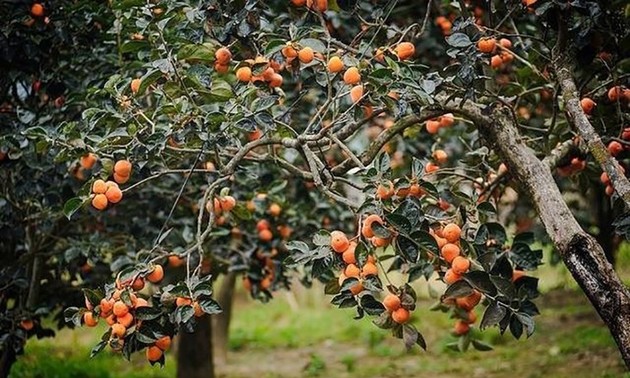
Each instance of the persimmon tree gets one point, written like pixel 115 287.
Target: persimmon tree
pixel 339 142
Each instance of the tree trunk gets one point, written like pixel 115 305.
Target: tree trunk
pixel 194 351
pixel 604 217
pixel 7 359
pixel 581 253
pixel 221 322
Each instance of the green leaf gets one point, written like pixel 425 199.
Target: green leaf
pixel 458 40
pixel 148 79
pixel 220 91
pixel 71 206
pixel 210 306
pixel 480 280
pixel 493 315
pixel 315 44
pixel 148 313
pixel 371 305
pixel 458 289
pixel 197 53
pixel 99 347
pixel 481 346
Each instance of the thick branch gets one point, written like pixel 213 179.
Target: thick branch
pixel 580 252
pixel 562 65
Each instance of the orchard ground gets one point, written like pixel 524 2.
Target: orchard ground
pixel 277 340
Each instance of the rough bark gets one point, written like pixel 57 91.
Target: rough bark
pixel 221 322
pixel 581 253
pixel 194 351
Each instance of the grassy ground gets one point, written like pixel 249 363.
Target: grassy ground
pixel 299 335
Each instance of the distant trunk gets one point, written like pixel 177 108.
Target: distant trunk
pixel 221 322
pixel 194 351
pixel 7 359
pixel 605 215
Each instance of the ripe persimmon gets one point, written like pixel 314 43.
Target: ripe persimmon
pixel 106 306
pixel 356 93
pixel 352 76
pixel 135 85
pixel 369 269
pixel 88 160
pixel 460 265
pixel 244 74
pixel 223 56
pixel 446 120
pixel 469 302
pixel 339 241
pixel 89 319
pixel 198 311
pixel 275 210
pixel 449 252
pixel 27 324
pixel 183 301
pixel 379 242
pixel 615 93
pixel 175 261
pixel 164 343
pixel 348 256
pixel 262 224
pixel 461 328
pixel 335 64
pixel 123 167
pixel 401 315
pixel 587 105
pixel 452 233
pixel 120 309
pixel 276 80
pixel 366 230
pixel 506 43
pixel 99 187
pixel 451 277
pixel 99 201
pixel 517 274
pixel 156 274
pixel 289 51
pixel 113 194
pixel 405 50
pixel 391 302
pixel 440 156
pixel 126 320
pixel 352 271
pixel 432 126
pixel 227 203
pixel 118 330
pixel 138 284
pixel 487 45
pixel 431 167
pixel 265 235
pixel 356 288
pixel 37 10
pixel 615 148
pixel 385 191
pixel 496 62
pixel 120 179
pixel 141 302
pixel 306 55
pixel 154 353
pixel 471 317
